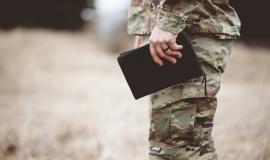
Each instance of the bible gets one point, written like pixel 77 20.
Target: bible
pixel 144 76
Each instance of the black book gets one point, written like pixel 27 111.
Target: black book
pixel 144 76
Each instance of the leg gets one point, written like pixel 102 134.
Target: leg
pixel 182 130
pixel 181 117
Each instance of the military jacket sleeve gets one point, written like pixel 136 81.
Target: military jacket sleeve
pixel 199 16
pixel 139 16
pixel 215 17
pixel 172 14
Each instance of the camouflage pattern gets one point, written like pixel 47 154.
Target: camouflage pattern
pixel 139 17
pixel 181 116
pixel 198 16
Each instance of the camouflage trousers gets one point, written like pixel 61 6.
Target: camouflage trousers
pixel 181 116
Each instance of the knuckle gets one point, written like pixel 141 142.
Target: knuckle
pixel 162 55
pixel 172 45
pixel 175 47
pixel 170 53
pixel 167 53
pixel 161 40
pixel 172 40
pixel 167 40
pixel 155 41
pixel 166 56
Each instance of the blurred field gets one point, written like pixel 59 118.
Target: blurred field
pixel 63 97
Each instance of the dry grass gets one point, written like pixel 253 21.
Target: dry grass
pixel 62 96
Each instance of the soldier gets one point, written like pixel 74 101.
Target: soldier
pixel 181 115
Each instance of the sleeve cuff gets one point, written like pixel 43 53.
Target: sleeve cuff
pixel 170 22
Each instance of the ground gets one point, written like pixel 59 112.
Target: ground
pixel 63 96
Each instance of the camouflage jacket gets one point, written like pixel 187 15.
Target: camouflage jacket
pixel 216 17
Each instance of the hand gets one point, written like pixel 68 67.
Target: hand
pixel 138 40
pixel 163 46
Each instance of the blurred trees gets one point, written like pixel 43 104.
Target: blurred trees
pixel 67 14
pixel 91 3
pixel 253 15
pixel 48 13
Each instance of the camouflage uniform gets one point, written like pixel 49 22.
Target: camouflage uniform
pixel 181 115
pixel 199 16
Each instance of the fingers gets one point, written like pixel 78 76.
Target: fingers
pixel 155 55
pixel 161 52
pixel 163 46
pixel 170 52
pixel 174 46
